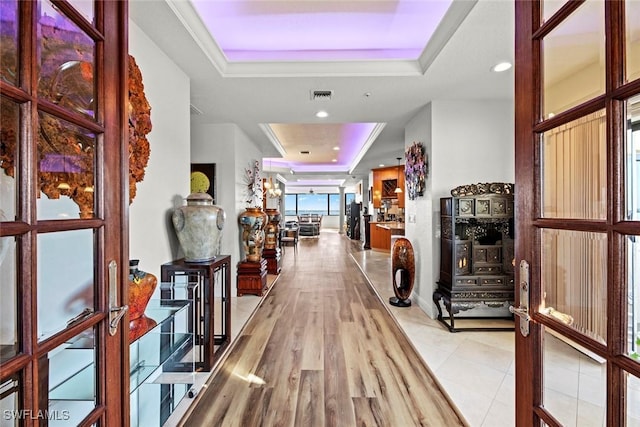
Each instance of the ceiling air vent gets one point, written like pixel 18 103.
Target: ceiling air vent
pixel 305 152
pixel 195 110
pixel 321 95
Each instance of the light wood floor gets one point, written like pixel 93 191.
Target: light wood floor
pixel 321 350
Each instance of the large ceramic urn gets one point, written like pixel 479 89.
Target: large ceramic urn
pixel 272 229
pixel 252 224
pixel 199 227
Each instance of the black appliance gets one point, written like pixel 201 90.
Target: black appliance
pixel 353 220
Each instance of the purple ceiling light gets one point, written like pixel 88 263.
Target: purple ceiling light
pixel 351 138
pixel 321 30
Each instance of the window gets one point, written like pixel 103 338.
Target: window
pixel 290 204
pixel 313 203
pixel 348 198
pixel 319 203
pixel 334 204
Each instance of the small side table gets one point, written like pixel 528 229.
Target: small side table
pixel 202 280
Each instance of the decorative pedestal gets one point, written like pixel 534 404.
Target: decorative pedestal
pixel 252 277
pixel 367 231
pixel 209 285
pixel 273 260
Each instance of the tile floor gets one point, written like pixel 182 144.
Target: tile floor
pixel 476 369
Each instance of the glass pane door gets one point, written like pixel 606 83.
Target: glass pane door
pixel 577 156
pixel 55 212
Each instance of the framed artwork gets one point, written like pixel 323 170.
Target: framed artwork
pixel 203 179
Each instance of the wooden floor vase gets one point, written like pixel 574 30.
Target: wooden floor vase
pixel 403 269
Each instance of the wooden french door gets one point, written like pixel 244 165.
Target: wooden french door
pixel 63 201
pixel 577 212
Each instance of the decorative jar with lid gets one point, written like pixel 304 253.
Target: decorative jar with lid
pixel 199 227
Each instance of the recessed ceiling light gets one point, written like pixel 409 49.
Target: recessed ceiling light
pixel 336 148
pixel 381 165
pixel 334 160
pixel 322 114
pixel 502 66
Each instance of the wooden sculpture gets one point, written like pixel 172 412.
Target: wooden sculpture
pixel 403 270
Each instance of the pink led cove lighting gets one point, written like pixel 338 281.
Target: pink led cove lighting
pixel 321 30
pixel 351 137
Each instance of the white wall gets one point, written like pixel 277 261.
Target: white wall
pixel 214 144
pixel 152 238
pixel 232 151
pixel 466 142
pixel 419 213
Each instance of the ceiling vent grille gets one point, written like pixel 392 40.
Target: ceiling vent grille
pixel 305 152
pixel 321 95
pixel 195 111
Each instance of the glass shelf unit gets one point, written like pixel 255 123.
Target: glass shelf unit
pixel 161 369
pixel 156 357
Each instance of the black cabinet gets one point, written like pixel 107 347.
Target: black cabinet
pixel 476 259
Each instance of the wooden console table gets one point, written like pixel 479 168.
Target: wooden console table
pixel 212 327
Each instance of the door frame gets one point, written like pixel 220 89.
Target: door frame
pixel 529 126
pixel 110 221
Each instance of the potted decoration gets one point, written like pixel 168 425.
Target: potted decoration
pixel 253 220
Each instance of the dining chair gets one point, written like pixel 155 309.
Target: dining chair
pixel 289 236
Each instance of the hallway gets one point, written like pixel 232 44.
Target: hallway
pixel 322 350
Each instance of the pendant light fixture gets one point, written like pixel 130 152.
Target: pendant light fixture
pixel 398 189
pixel 273 188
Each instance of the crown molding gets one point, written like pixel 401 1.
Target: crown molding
pixel 370 140
pixel 188 16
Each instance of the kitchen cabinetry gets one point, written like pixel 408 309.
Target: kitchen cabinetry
pixel 381 233
pixel 476 258
pixel 385 180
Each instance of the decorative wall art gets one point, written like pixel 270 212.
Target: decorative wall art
pixel 139 127
pixel 203 179
pixel 416 170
